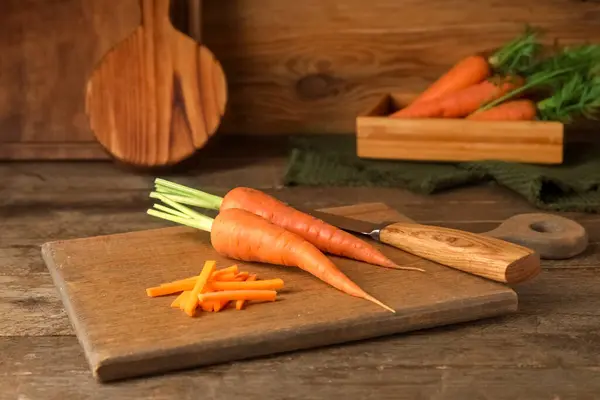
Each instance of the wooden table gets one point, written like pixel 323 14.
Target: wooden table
pixel 549 350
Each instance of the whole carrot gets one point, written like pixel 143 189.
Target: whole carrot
pixel 242 235
pixel 467 72
pixel 462 103
pixel 515 110
pixel 324 236
pixel 513 58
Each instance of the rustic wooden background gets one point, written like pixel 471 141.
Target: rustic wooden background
pixel 292 67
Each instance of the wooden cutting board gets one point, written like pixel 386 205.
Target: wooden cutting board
pixel 124 333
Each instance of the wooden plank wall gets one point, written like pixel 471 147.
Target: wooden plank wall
pixel 293 67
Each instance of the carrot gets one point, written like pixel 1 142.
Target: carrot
pixel 219 304
pixel 215 275
pixel 228 277
pixel 467 72
pixel 264 295
pixel 515 110
pixel 461 103
pixel 243 235
pixel 192 301
pixel 324 236
pixel 515 57
pixel 268 284
pixel 239 304
pixel 181 299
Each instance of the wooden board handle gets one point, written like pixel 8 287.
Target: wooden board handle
pixel 480 255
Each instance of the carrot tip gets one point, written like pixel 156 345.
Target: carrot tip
pixel 379 303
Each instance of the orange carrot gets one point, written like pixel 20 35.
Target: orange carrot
pixel 461 103
pixel 467 72
pixel 239 304
pixel 265 295
pixel 267 284
pixel 242 235
pixel 219 304
pixel 515 110
pixel 324 236
pixel 181 299
pixel 228 277
pixel 192 302
pixel 215 275
pixel 171 288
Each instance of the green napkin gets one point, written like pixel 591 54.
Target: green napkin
pixel 332 161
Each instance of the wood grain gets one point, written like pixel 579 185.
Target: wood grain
pixel 488 257
pixel 551 341
pixel 448 139
pixel 311 67
pixel 306 67
pixel 83 270
pixel 48 51
pixel 158 96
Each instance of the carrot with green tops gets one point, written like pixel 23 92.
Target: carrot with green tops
pixel 324 236
pixel 512 58
pixel 242 235
pixel 461 103
pixel 467 72
pixel 578 96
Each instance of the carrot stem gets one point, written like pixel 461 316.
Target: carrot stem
pixel 212 200
pixel 202 225
pixel 171 211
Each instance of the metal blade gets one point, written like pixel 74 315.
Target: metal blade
pixel 346 224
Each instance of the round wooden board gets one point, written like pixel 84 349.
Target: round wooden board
pixel 158 96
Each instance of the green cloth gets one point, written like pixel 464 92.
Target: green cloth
pixel 332 161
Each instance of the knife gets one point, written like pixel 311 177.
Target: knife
pixel 488 257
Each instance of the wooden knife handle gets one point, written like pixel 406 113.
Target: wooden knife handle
pixel 481 255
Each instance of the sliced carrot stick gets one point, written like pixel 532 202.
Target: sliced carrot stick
pixel 220 304
pixel 170 288
pixel 239 304
pixel 225 277
pixel 266 295
pixel 233 268
pixel 182 298
pixel 192 303
pixel 269 284
pixel 208 306
pixel 242 276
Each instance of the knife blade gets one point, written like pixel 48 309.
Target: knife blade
pixel 488 257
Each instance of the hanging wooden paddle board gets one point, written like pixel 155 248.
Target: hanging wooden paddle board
pixel 158 96
pixel 125 333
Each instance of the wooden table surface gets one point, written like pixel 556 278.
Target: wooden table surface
pixel 549 350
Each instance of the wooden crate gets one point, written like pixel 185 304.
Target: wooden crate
pixel 448 139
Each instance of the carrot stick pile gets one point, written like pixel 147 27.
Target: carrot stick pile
pixel 517 82
pixel 214 290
